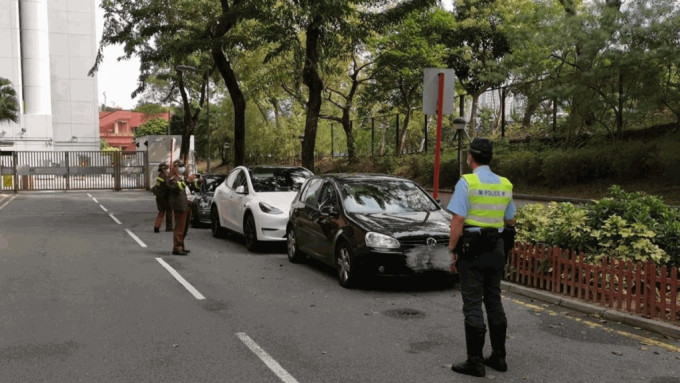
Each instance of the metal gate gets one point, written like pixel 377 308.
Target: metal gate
pixel 73 170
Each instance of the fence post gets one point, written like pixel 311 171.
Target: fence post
pixel 396 148
pixel 147 181
pixel 67 164
pixel 15 161
pixel 116 171
pixel 372 135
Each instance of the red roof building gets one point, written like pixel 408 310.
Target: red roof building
pixel 118 127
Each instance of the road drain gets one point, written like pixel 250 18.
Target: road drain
pixel 404 313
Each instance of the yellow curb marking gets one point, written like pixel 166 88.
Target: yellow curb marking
pixel 648 341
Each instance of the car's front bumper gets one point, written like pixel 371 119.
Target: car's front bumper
pixel 410 261
pixel 271 227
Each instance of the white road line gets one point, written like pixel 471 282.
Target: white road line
pixel 8 201
pixel 89 195
pixel 181 280
pixel 114 219
pixel 95 200
pixel 103 208
pixel 131 234
pixel 268 360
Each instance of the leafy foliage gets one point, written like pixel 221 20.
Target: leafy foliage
pixel 627 226
pixel 9 105
pixel 153 127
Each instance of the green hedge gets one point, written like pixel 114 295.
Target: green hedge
pixel 628 226
pixel 620 162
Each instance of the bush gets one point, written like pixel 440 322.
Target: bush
pixel 627 226
pixel 632 160
pixel 522 166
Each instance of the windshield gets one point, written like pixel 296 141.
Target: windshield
pixel 278 179
pixel 397 196
pixel 212 182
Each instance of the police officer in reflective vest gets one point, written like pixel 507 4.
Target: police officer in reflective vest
pixel 483 208
pixel 180 206
pixel 161 191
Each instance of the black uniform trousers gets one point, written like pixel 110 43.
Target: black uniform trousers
pixel 480 282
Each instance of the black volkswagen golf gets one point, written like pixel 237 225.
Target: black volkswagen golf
pixel 365 224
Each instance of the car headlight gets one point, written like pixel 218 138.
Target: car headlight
pixel 381 240
pixel 269 209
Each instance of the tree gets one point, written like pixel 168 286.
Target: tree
pixel 154 127
pixel 478 45
pixel 167 33
pixel 312 30
pixel 9 105
pixel 401 58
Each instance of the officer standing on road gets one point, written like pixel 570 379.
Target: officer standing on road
pixel 161 191
pixel 483 208
pixel 180 205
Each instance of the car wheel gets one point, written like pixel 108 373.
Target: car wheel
pixel 348 275
pixel 250 232
pixel 217 230
pixel 294 254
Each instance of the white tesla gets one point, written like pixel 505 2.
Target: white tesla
pixel 254 201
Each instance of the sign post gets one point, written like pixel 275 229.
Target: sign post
pixel 438 97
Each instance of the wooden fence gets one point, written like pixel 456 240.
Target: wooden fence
pixel 639 288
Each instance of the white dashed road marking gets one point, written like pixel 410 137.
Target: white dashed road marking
pixel 181 280
pixel 268 360
pixel 95 200
pixel 8 201
pixel 136 238
pixel 102 206
pixel 115 219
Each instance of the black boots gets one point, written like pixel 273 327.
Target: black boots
pixel 474 341
pixel 497 358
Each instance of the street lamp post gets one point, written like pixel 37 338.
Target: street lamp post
pixel 459 123
pixel 193 69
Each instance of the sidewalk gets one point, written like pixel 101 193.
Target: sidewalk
pixel 588 308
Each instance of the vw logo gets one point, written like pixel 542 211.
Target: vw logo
pixel 431 242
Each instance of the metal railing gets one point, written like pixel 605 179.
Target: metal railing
pixel 86 170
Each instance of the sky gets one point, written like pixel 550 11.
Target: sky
pixel 116 80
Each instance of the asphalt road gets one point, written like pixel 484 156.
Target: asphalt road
pixel 91 294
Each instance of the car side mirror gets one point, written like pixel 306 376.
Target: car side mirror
pixel 329 210
pixel 241 189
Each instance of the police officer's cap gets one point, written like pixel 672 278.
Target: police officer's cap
pixel 482 146
pixel 177 163
pixel 162 166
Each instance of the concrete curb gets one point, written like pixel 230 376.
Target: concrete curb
pixel 607 313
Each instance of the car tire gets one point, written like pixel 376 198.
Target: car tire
pixel 217 230
pixel 345 263
pixel 250 232
pixel 294 254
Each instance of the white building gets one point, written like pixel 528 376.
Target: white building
pixel 46 49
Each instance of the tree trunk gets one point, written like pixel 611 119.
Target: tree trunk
pixel 311 78
pixel 404 131
pixel 238 101
pixel 349 133
pixel 532 106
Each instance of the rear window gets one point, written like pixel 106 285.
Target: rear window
pixel 398 196
pixel 278 179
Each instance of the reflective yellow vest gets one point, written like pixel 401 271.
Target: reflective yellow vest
pixel 487 201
